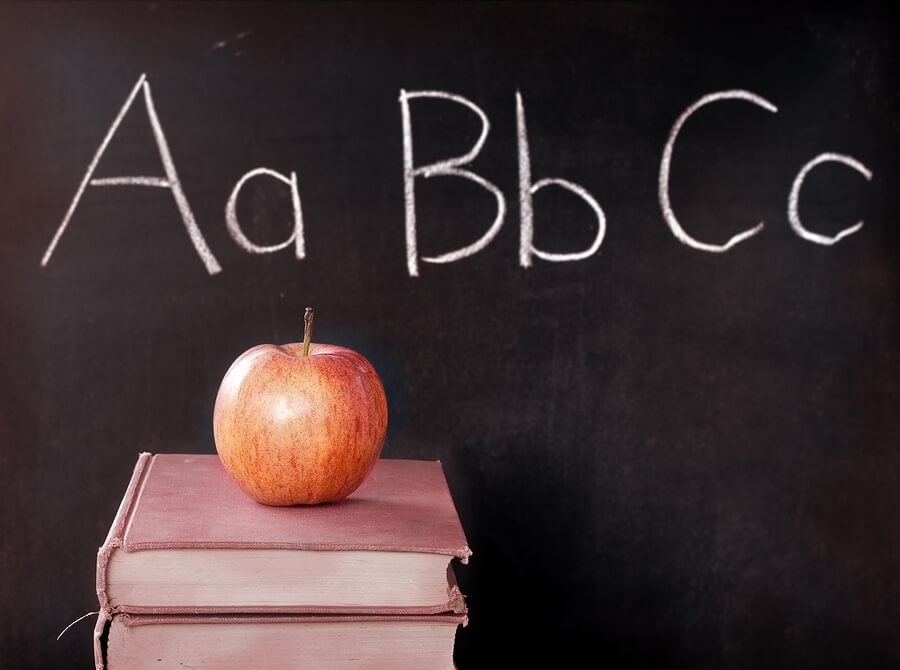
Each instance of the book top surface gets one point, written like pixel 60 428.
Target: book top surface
pixel 190 501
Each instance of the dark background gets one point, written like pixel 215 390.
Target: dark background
pixel 662 457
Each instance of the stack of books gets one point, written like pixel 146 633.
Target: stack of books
pixel 194 573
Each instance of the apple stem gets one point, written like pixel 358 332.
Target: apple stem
pixel 308 316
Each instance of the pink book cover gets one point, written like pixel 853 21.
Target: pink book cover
pixel 190 501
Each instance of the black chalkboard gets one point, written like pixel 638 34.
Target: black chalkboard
pixel 667 451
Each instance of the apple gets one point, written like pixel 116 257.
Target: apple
pixel 300 423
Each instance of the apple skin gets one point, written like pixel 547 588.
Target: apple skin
pixel 299 430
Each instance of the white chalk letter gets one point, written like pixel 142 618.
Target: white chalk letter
pixel 170 181
pixel 526 209
pixel 666 165
pixel 794 198
pixel 234 227
pixel 449 166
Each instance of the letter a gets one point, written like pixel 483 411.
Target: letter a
pixel 234 226
pixel 170 181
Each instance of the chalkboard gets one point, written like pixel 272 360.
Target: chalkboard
pixel 629 270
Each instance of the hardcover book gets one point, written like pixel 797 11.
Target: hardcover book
pixel 238 642
pixel 187 540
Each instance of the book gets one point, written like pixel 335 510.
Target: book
pixel 187 540
pixel 286 642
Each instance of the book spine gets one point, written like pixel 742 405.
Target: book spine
pixel 100 632
pixel 462 551
pixel 116 533
pixel 457 602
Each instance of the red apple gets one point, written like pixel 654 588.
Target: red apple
pixel 300 423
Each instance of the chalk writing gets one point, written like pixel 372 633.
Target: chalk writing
pixel 451 167
pixel 526 209
pixel 448 167
pixel 234 227
pixel 666 166
pixel 170 181
pixel 794 198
